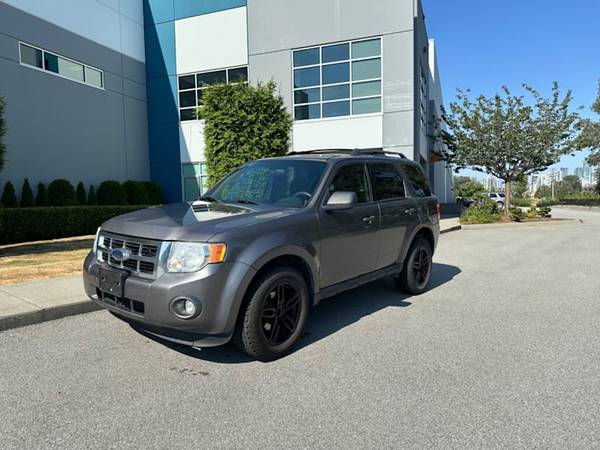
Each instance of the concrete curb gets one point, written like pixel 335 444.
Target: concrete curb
pixel 578 207
pixel 520 224
pixel 454 228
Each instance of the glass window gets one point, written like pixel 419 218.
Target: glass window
pixel 366 69
pixel 387 181
pixel 307 112
pixel 31 56
pixel 51 62
pixel 336 92
pixel 351 178
pixel 238 75
pixel 187 98
pixel 368 89
pixel 307 95
pixel 93 77
pixel 187 82
pixel 364 49
pixel 366 105
pixel 334 75
pixel 336 109
pixel 306 57
pixel 339 52
pixel 418 180
pixel 307 77
pixel 209 78
pixel 70 69
pixel 195 178
pixel 187 114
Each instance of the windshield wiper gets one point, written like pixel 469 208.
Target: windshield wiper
pixel 245 201
pixel 208 198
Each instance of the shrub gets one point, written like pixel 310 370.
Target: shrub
pixel 517 201
pixel 26 195
pixel 243 123
pixel 484 210
pixel 92 199
pixel 544 212
pixel 2 131
pixel 41 198
pixel 136 193
pixel 111 193
pixel 23 224
pixel 533 212
pixel 154 193
pixel 517 214
pixel 80 192
pixel 62 193
pixel 9 198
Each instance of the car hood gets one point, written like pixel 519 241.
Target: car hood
pixel 197 221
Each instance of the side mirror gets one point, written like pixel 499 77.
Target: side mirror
pixel 339 201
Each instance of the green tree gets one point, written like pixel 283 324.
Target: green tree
pixel 80 193
pixel 41 198
pixel 520 187
pixel 62 193
pixel 9 198
pixel 92 199
pixel 590 134
pixel 506 137
pixel 243 123
pixel 465 187
pixel 571 184
pixel 26 195
pixel 2 132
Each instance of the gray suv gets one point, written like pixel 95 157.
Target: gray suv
pixel 248 260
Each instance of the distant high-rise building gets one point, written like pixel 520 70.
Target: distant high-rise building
pixel 564 171
pixel 579 173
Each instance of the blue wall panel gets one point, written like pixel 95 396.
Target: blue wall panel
pixel 162 100
pixel 158 11
pixel 168 177
pixel 190 8
pixel 162 137
pixel 160 50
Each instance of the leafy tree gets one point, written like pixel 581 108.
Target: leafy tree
pixel 92 199
pixel 465 187
pixel 111 193
pixel 566 187
pixel 571 183
pixel 9 198
pixel 41 198
pixel 62 193
pixel 590 134
pixel 243 123
pixel 26 195
pixel 506 137
pixel 80 193
pixel 520 187
pixel 136 193
pixel 2 132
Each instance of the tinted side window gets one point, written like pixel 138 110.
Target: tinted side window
pixel 351 178
pixel 387 181
pixel 418 180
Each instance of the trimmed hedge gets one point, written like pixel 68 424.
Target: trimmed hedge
pixel 154 192
pixel 136 193
pixel 62 193
pixel 31 224
pixel 111 193
pixel 571 201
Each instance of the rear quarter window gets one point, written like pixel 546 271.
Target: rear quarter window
pixel 417 179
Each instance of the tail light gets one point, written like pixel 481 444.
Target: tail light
pixel 438 209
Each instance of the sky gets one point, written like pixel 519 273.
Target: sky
pixel 485 44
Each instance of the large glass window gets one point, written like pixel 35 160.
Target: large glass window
pixel 65 67
pixel 335 80
pixel 191 87
pixel 195 181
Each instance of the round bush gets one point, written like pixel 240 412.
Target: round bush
pixel 111 193
pixel 9 197
pixel 154 193
pixel 62 193
pixel 136 193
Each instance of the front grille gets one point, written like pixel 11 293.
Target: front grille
pixel 143 259
pixel 132 306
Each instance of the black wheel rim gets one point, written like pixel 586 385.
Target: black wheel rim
pixel 280 313
pixel 421 266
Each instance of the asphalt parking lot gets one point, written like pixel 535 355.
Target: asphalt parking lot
pixel 502 352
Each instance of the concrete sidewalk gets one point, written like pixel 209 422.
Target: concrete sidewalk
pixel 54 298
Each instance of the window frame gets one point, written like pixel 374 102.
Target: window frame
pixel 409 184
pixel 58 55
pixel 197 89
pixel 333 173
pixel 350 99
pixel 399 171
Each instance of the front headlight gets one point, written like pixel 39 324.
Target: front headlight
pixel 95 246
pixel 187 257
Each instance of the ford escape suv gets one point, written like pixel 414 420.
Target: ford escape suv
pixel 249 259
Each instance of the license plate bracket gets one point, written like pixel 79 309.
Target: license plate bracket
pixel 112 281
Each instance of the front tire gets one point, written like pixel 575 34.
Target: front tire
pixel 274 314
pixel 416 272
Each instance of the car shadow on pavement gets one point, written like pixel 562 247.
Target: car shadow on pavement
pixel 330 316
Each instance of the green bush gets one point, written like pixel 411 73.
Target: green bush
pixel 62 193
pixel 243 123
pixel 41 198
pixel 154 193
pixel 80 192
pixel 533 212
pixel 30 224
pixel 9 198
pixel 136 193
pixel 517 201
pixel 544 212
pixel 517 214
pixel 92 199
pixel 26 195
pixel 484 210
pixel 111 193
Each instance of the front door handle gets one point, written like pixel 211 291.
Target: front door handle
pixel 410 211
pixel 368 220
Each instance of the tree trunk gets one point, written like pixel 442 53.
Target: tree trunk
pixel 507 193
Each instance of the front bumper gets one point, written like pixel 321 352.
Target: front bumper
pixel 219 288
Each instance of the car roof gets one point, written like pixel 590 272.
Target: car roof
pixel 330 155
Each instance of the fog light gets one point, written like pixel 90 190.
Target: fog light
pixel 185 308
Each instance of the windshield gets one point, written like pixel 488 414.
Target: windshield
pixel 282 182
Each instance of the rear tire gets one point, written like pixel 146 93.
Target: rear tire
pixel 416 272
pixel 273 314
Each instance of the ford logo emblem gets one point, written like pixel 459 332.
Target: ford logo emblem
pixel 120 254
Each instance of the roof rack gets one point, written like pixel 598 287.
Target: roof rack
pixel 351 152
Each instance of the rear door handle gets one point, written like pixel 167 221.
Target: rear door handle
pixel 410 211
pixel 368 220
